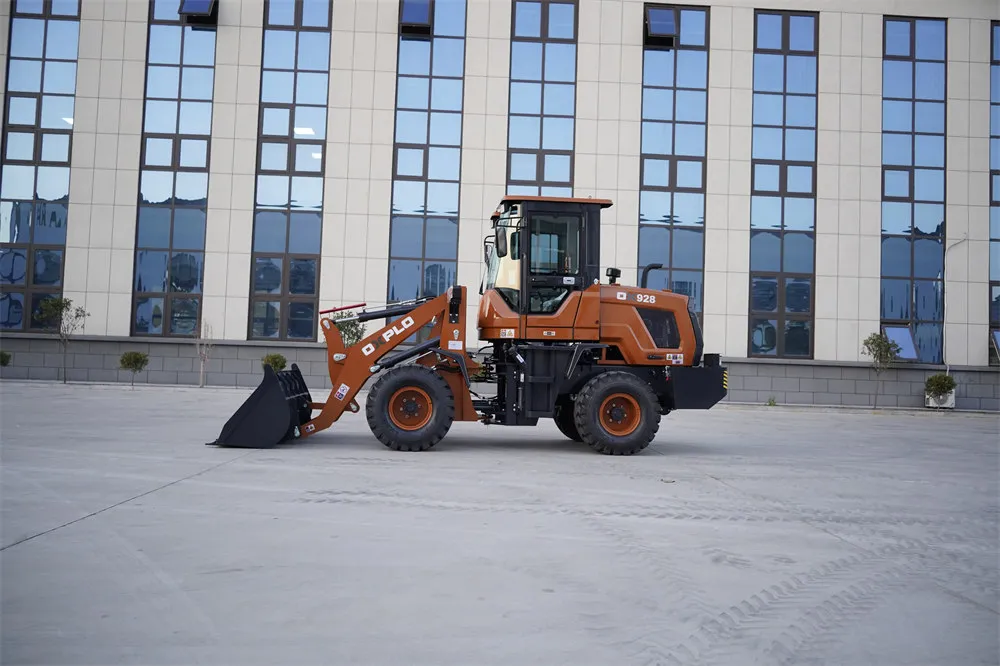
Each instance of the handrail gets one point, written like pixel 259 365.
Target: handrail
pixel 343 307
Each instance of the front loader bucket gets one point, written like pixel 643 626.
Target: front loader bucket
pixel 272 414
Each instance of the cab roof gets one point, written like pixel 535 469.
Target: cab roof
pixel 512 198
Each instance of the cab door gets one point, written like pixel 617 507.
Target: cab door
pixel 554 276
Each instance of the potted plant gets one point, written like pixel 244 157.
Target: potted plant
pixel 939 391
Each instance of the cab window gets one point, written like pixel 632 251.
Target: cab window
pixel 555 244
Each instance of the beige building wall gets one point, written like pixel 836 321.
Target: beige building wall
pixel 104 179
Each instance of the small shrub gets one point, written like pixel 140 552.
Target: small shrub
pixel 59 315
pixel 939 385
pixel 883 353
pixel 352 331
pixel 4 359
pixel 135 362
pixel 276 361
pixel 771 402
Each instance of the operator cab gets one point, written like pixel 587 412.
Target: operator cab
pixel 542 250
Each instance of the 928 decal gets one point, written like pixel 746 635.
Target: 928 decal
pixel 645 298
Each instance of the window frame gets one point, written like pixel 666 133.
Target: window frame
pixel 913 199
pixel 284 298
pixel 994 176
pixel 782 277
pixel 416 29
pixel 31 292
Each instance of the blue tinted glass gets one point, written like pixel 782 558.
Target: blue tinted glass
pixel 897 116
pixel 191 187
pixel 767 143
pixel 693 27
pixel 527 19
pixel 24 76
pixel 764 294
pixel 406 236
pixel 661 22
pixel 150 271
pixel 764 337
pixel 692 69
pixel 800 145
pixel 897 183
pixel 656 173
pixel 269 231
pixel 657 104
pixel 62 40
pixel 896 256
pixel 897 149
pixel 557 168
pixel 449 18
pixel 800 179
pixel 928 339
pixel 897 79
pixel 929 117
pixel 797 337
pixel 897 217
pixel 153 227
pixel 156 187
pixel 199 47
pixel 928 258
pixel 197 83
pixel 765 212
pixel 560 62
pixel 279 49
pixel 654 245
pixel 53 183
pixel 307 192
pixel 994 261
pixel 690 140
pixel 688 245
pixel 448 57
pixel 689 208
pixel 195 118
pixel 897 297
pixel 149 315
pixel 928 150
pixel 930 80
pixel 523 166
pixel 928 184
pixel 310 122
pixel 446 95
pixel 654 206
pixel 800 213
pixel 48 267
pixel 272 191
pixel 561 21
pixel 557 133
pixel 766 178
pixel 526 97
pixel 689 174
pixel 560 99
pixel 166 10
pixel 526 61
pixel 189 229
pixel 65 8
pixel 20 146
pixel 277 87
pixel 60 77
pixel 657 138
pixel 446 129
pixel 22 111
pixel 416 11
pixel 801 75
pixel 692 105
pixel 18 182
pixel 276 122
pixel 304 233
pixel 928 218
pixel 658 68
pixel 904 338
pixel 414 56
pixel 928 297
pixel 412 92
pixel 194 153
pixel 897 38
pixel 767 109
pixel 930 39
pixel 165 44
pixel 314 50
pixel 800 111
pixel 765 251
pixel 408 197
pixel 443 163
pixel 768 72
pixel 802 33
pixel 442 238
pixel 410 162
pixel 525 132
pixel 404 280
pixel 281 12
pixel 442 198
pixel 196 6
pixel 768 31
pixel 797 255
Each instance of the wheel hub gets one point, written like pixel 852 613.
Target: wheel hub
pixel 410 408
pixel 620 414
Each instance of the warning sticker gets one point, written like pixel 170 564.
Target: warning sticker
pixel 506 332
pixel 676 359
pixel 455 344
pixel 621 296
pixel 342 391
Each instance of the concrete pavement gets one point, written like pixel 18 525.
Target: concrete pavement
pixel 743 535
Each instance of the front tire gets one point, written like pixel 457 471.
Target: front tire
pixel 564 419
pixel 410 408
pixel 616 413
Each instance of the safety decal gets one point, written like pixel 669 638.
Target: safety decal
pixel 621 296
pixel 455 344
pixel 342 391
pixel 676 359
pixel 506 332
pixel 310 427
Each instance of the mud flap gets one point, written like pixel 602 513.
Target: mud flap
pixel 272 414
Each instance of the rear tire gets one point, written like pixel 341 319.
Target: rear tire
pixel 410 408
pixel 616 413
pixel 564 419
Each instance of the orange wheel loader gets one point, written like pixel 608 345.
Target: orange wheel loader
pixel 604 361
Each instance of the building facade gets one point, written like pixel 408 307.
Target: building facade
pixel 808 172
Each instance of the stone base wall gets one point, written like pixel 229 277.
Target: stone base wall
pixel 237 364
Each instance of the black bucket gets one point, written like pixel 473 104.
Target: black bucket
pixel 272 413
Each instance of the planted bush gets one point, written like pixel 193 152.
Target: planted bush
pixel 352 331
pixel 4 359
pixel 276 361
pixel 135 362
pixel 939 385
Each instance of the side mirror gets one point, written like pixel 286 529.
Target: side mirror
pixel 501 242
pixel 487 249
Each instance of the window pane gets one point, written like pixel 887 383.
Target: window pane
pixel 304 233
pixel 800 179
pixel 411 127
pixel 897 116
pixel 50 223
pixel 928 339
pixel 930 80
pixel 527 19
pixel 928 258
pixel 798 295
pixel 309 157
pixel 764 337
pixel 657 138
pixel 897 149
pixel 930 39
pixel 765 251
pixel 560 99
pixel 800 213
pixel 48 268
pixel 897 79
pixel 689 208
pixel 267 275
pixel 302 276
pixel 929 117
pixel 765 213
pixel 693 27
pixel 557 168
pixel 24 76
pixel 896 257
pixel 149 315
pixel 311 88
pixel 183 316
pixel 526 97
pixel 689 174
pixel 150 271
pixel 691 105
pixel 274 156
pixel 692 69
pixel 442 238
pixel 186 270
pixel 194 153
pixel 443 163
pixel 658 68
pixel 688 283
pixel 404 280
pixel 687 248
pixel 20 146
pixel 413 92
pixel 408 197
pixel 802 33
pixel 769 31
pixel 446 95
pixel 764 294
pixel 801 75
pixel 446 129
pixel 928 184
pixel 800 111
pixel 767 143
pixel 896 299
pixel 557 133
pixel 897 38
pixel 690 140
pixel 798 336
pixel 560 62
pixel 896 217
pixel 561 21
pixel 654 245
pixel 768 72
pixel 269 230
pixel 301 321
pixel 797 253
pixel 26 38
pixel 189 229
pixel 407 239
pixel 929 300
pixel 526 61
pixel 314 50
pixel 897 183
pixel 654 206
pixel 523 166
pixel 766 179
pixel 442 198
pixel 266 315
pixel 657 104
pixel 655 173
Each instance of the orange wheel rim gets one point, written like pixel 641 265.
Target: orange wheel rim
pixel 620 414
pixel 410 408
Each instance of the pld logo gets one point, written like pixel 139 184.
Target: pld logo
pixel 388 335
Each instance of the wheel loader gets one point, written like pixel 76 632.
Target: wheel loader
pixel 605 361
